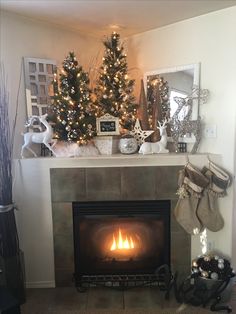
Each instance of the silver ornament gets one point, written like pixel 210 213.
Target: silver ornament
pixel 220 260
pixel 221 266
pixel 207 258
pixel 214 276
pixel 216 257
pixel 195 270
pixel 194 263
pixel 204 274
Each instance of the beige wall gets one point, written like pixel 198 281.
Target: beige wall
pixel 211 40
pixel 23 37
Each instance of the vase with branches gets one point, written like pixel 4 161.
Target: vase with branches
pixel 10 254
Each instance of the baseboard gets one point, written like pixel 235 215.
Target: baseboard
pixel 41 284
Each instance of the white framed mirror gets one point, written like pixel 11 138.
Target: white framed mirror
pixel 180 82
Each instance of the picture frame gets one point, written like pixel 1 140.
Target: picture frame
pixel 39 74
pixel 107 125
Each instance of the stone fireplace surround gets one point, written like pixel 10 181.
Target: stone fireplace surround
pixel 44 218
pixel 111 183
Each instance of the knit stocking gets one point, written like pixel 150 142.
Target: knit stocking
pixel 208 211
pixel 191 185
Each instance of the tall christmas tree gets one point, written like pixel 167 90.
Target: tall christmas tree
pixel 114 88
pixel 72 106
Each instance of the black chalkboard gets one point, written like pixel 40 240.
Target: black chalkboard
pixel 107 126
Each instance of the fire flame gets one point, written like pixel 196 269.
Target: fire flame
pixel 122 242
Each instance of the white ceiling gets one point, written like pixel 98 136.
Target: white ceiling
pixel 97 17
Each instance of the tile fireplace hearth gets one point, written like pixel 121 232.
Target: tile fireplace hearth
pixel 105 184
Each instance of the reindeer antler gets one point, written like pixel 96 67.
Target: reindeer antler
pixel 30 120
pixel 164 123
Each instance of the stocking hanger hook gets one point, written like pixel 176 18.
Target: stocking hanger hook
pixel 187 159
pixel 208 158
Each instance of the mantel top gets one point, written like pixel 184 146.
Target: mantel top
pixel 120 160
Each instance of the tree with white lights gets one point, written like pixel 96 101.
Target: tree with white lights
pixel 114 88
pixel 72 106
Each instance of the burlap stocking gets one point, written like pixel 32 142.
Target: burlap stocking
pixel 191 185
pixel 208 210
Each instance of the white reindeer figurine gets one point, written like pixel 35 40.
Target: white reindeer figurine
pixel 44 137
pixel 157 147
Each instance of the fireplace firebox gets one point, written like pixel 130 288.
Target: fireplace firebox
pixel 120 238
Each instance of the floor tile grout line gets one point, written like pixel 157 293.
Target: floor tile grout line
pixel 123 299
pixel 87 299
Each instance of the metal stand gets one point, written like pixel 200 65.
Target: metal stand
pixel 196 293
pixel 162 278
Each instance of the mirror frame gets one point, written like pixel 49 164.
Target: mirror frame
pixel 196 82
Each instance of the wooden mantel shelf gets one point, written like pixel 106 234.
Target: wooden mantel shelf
pixel 120 160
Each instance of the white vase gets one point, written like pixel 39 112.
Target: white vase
pixel 128 145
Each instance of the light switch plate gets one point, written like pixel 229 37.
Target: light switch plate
pixel 210 131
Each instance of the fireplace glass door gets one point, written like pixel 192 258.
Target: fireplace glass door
pixel 125 237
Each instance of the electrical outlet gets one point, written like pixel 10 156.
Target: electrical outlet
pixel 210 131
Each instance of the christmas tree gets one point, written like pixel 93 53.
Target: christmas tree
pixel 72 106
pixel 158 96
pixel 158 105
pixel 114 88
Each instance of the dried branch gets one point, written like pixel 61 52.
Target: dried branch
pixel 9 244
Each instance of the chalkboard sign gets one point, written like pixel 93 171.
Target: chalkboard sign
pixel 107 125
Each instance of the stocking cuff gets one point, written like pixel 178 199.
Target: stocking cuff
pixel 219 173
pixel 219 180
pixel 192 188
pixel 193 182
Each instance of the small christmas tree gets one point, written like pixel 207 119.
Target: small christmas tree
pixel 72 106
pixel 158 96
pixel 158 105
pixel 114 89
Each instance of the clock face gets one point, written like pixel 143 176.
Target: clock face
pixel 107 126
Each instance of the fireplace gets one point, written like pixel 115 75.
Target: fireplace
pixel 105 184
pixel 120 237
